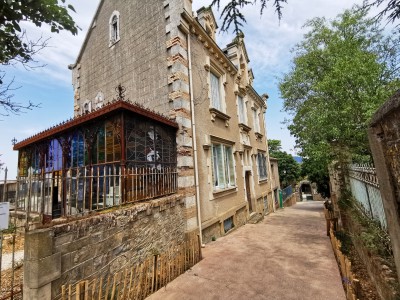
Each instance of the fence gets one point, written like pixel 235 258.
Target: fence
pixel 365 189
pixel 287 192
pixel 80 190
pixel 138 282
pixel 11 246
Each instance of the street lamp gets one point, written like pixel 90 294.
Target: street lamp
pixel 14 141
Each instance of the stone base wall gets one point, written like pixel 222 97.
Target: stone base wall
pixel 212 232
pixel 260 205
pixel 380 274
pixel 100 244
pixel 241 217
pixel 214 229
pixel 291 201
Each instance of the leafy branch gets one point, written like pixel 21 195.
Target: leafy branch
pixel 232 12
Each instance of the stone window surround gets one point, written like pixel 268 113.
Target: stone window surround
pixel 256 156
pixel 210 67
pixel 218 192
pixel 244 126
pixel 112 29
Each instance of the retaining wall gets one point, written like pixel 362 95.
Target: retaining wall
pixel 100 244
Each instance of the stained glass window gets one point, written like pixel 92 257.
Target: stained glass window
pixel 148 144
pixel 77 150
pixel 54 156
pixel 23 163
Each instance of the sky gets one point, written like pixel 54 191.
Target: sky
pixel 268 42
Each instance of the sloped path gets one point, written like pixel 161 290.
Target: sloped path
pixel 286 256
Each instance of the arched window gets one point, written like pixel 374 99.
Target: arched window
pixel 114 28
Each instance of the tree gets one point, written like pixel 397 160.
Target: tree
pixel 288 168
pixel 232 15
pixel 232 12
pixel 342 72
pixel 391 9
pixel 16 47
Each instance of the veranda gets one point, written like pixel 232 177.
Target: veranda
pixel 117 154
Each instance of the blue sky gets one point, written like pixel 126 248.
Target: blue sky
pixel 268 43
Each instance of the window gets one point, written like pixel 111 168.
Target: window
pixel 215 84
pixel 262 165
pixel 223 168
pixel 256 120
pixel 242 110
pixel 87 107
pixel 114 28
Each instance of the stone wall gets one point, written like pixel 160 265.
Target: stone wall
pixel 384 138
pixel 380 274
pixel 212 232
pixel 291 201
pixel 98 245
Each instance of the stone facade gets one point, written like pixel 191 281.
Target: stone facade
pixel 168 60
pixel 99 245
pixel 167 67
pixel 384 137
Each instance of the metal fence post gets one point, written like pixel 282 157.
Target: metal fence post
pixel 5 185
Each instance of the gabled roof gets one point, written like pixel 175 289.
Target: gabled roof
pixel 85 41
pixel 109 108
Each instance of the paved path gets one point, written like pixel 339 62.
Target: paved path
pixel 286 256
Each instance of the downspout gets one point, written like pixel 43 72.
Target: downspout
pixel 196 171
pixel 265 97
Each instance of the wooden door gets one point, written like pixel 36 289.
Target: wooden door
pixel 248 190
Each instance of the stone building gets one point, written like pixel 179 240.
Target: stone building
pixel 184 132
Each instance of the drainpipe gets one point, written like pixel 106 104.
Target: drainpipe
pixel 196 171
pixel 265 97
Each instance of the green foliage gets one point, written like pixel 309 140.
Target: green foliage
pixel 374 238
pixel 13 44
pixel 370 233
pixel 316 172
pixel 342 72
pixel 232 11
pixel 274 145
pixel 345 240
pixel 391 9
pixel 288 168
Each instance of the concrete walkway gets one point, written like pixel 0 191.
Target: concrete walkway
pixel 286 256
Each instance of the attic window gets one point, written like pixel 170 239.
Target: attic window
pixel 114 28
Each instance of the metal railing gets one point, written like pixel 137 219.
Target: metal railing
pixel 287 192
pixel 80 190
pixel 365 187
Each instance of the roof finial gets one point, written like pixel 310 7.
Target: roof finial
pixel 120 92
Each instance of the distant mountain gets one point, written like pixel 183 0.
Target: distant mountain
pixel 299 159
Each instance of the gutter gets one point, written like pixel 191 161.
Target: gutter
pixel 196 171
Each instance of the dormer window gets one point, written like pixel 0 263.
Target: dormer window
pixel 114 28
pixel 87 107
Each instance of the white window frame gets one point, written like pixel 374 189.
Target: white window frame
pixel 223 172
pixel 220 106
pixel 242 110
pixel 115 29
pixel 256 119
pixel 262 166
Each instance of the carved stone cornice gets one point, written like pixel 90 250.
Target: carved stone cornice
pixel 244 127
pixel 213 49
pixel 252 93
pixel 215 113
